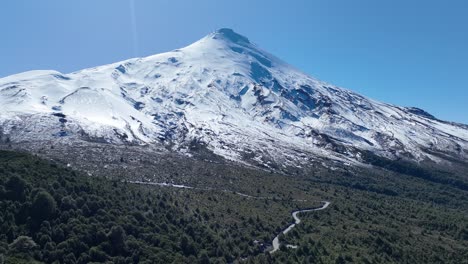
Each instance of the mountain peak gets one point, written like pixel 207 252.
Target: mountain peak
pixel 227 93
pixel 230 35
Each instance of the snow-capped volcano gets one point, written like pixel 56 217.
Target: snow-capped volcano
pixel 227 93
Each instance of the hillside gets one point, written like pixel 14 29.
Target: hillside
pixel 226 92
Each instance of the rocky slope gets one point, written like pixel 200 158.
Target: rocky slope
pixel 227 94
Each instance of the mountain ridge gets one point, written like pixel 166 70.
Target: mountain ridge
pixel 227 93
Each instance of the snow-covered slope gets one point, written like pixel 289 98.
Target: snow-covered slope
pixel 226 92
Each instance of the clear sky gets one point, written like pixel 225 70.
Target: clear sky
pixel 405 52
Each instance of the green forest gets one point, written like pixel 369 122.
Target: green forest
pixel 53 214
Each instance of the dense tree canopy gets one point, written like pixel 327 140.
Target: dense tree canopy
pixel 49 214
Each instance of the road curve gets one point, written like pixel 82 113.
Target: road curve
pixel 276 243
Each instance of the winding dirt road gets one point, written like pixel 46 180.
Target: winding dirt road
pixel 276 243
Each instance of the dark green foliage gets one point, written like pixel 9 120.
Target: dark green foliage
pixel 15 188
pixel 376 216
pixel 116 237
pixel 43 207
pixel 72 218
pixel 23 244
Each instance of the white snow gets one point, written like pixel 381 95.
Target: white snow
pixel 227 92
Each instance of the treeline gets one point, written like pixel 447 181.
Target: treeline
pixel 413 169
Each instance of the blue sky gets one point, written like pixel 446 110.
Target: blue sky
pixel 410 53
